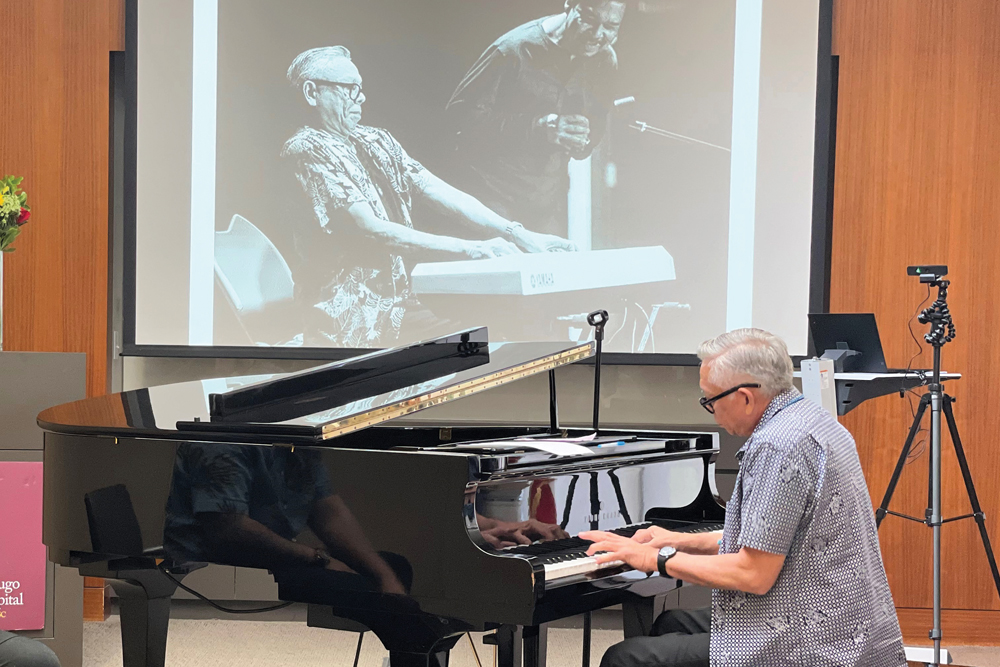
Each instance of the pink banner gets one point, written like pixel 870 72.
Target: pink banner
pixel 22 554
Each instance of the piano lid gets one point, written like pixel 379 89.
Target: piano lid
pixel 181 411
pixel 333 385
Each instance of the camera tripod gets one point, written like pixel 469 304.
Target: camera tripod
pixel 942 331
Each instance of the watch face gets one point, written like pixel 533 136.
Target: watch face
pixel 667 552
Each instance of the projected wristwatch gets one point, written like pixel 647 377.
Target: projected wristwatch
pixel 666 553
pixel 512 229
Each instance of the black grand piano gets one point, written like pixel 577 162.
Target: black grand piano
pixel 419 534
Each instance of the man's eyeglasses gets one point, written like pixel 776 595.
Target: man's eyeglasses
pixel 353 89
pixel 709 403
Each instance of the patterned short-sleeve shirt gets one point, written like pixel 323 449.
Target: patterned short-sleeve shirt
pixel 800 492
pixel 358 285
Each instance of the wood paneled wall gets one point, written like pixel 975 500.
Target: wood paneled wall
pixel 918 167
pixel 54 132
pixel 918 181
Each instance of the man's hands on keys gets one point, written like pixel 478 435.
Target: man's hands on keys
pixel 657 537
pixel 512 534
pixel 491 248
pixel 608 547
pixel 534 242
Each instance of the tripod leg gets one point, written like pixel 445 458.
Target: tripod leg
pixel 894 480
pixel 971 489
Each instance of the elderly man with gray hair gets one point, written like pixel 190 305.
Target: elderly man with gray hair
pixel 361 186
pixel 797 574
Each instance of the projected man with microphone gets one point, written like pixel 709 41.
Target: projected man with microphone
pixel 537 97
pixel 361 185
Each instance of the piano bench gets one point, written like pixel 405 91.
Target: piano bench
pixel 320 616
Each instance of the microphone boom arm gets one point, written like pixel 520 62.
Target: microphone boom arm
pixel 652 129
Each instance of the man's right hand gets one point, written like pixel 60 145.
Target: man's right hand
pixel 658 537
pixel 571 132
pixel 491 248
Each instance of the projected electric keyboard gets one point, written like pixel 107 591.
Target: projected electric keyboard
pixel 531 274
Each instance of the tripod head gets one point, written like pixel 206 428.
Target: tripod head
pixel 937 314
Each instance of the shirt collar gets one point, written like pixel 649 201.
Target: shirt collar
pixel 777 404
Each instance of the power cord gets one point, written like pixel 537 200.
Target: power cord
pixel 228 610
pixel 920 436
pixel 474 651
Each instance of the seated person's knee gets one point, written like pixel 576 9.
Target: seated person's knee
pixel 18 651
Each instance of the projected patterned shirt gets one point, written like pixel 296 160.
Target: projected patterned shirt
pixel 800 492
pixel 358 287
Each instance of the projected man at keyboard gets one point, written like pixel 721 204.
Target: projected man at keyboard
pixel 361 185
pixel 538 96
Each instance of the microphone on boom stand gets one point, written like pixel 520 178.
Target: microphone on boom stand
pixel 645 128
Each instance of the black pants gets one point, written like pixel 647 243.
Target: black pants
pixel 679 639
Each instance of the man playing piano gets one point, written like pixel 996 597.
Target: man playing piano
pixel 797 574
pixel 538 96
pixel 361 185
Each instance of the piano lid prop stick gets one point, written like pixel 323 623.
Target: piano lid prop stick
pixel 553 404
pixel 597 319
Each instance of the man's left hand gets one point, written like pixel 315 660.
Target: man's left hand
pixel 640 557
pixel 535 242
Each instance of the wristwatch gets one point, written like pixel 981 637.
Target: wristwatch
pixel 512 229
pixel 321 558
pixel 666 553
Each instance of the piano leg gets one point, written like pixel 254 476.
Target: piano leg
pixel 433 659
pixel 639 613
pixel 144 599
pixel 519 646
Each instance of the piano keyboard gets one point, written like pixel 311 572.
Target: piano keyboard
pixel 565 560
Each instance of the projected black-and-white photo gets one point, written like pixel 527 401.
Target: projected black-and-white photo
pixel 369 173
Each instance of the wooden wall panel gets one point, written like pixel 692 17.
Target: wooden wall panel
pixel 918 168
pixel 54 132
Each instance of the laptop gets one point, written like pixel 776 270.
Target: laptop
pixel 851 331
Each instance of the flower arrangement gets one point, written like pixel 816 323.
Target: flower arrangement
pixel 14 211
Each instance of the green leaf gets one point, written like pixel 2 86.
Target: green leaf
pixel 16 180
pixel 23 197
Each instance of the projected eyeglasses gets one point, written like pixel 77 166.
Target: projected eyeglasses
pixel 353 89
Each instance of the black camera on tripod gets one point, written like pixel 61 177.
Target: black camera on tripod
pixel 937 315
pixel 930 273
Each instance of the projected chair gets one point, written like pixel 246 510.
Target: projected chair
pixel 258 284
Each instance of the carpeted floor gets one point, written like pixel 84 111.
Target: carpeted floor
pixel 211 642
pixel 224 643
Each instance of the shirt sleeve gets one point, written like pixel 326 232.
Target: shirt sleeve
pixel 220 479
pixel 778 488
pixel 326 180
pixel 477 105
pixel 410 170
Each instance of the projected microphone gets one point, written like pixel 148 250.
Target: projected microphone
pixel 652 129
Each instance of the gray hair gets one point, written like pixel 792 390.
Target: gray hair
pixel 750 352
pixel 307 63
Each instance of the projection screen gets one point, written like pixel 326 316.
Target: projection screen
pixel 370 173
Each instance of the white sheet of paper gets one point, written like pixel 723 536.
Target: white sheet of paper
pixel 555 447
